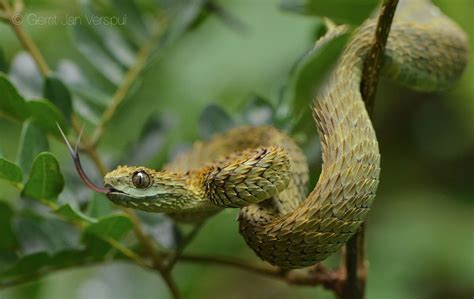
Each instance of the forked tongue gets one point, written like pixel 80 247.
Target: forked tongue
pixel 77 163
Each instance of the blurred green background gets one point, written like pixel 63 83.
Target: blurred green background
pixel 421 228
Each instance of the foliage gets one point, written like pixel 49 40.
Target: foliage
pixel 119 55
pixel 52 223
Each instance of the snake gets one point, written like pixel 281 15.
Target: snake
pixel 264 172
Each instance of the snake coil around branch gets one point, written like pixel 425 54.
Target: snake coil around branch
pixel 263 172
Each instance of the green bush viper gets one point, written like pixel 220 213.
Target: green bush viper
pixel 263 172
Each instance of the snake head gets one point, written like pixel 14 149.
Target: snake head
pixel 143 188
pixel 136 182
pixel 149 190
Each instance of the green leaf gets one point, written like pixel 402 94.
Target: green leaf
pixel 186 14
pixel 227 17
pixel 32 142
pixel 311 72
pixel 55 91
pixel 163 230
pixel 33 263
pixel 110 227
pixel 7 260
pixel 3 62
pixel 116 45
pixel 110 37
pixel 90 47
pixel 24 74
pixel 70 213
pixel 11 103
pixel 78 83
pixel 46 115
pixel 128 11
pixel 38 233
pixel 27 265
pixel 43 112
pixel 99 206
pixel 151 142
pixel 213 120
pixel 68 257
pixel 89 99
pixel 10 171
pixel 45 181
pixel 342 11
pixel 8 240
pixel 114 227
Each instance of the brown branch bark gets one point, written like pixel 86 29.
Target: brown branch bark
pixel 317 275
pixel 373 62
pixel 355 261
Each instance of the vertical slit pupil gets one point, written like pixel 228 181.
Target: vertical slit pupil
pixel 141 179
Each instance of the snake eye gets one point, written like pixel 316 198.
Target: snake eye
pixel 141 179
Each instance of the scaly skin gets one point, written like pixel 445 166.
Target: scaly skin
pixel 264 173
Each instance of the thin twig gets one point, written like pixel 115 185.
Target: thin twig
pixel 177 253
pixel 235 263
pixel 144 240
pixel 313 276
pixel 14 19
pixel 355 263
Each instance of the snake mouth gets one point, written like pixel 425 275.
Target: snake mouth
pixel 112 190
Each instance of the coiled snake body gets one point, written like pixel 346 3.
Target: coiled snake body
pixel 264 173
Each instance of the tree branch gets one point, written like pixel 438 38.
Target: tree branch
pixel 355 263
pixel 177 253
pixel 170 283
pixel 313 276
pixel 202 259
pixel 373 62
